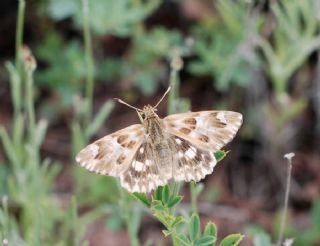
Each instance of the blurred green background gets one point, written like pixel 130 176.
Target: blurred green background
pixel 260 58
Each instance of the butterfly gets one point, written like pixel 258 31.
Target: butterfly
pixel 147 155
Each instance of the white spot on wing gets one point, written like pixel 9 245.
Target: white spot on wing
pixel 221 117
pixel 178 141
pixel 148 163
pixel 193 148
pixel 141 150
pixel 138 166
pixel 190 153
pixel 94 149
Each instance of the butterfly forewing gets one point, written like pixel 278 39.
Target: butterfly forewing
pixel 205 129
pixel 112 154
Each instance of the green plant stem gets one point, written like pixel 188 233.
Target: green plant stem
pixel 286 199
pixel 19 33
pixel 6 222
pixel 30 106
pixel 88 60
pixel 194 195
pixel 175 65
pixel 74 221
pixel 18 74
pixel 173 94
pixel 174 83
pixel 175 241
pixel 126 215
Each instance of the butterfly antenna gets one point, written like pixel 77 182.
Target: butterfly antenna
pixel 127 104
pixel 162 97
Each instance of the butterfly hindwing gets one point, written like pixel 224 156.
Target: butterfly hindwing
pixel 205 129
pixel 190 162
pixel 144 174
pixel 112 154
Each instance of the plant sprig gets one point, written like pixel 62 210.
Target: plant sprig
pixel 183 230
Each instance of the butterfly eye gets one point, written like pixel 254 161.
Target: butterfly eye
pixel 143 115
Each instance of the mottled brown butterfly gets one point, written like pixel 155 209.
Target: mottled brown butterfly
pixel 147 155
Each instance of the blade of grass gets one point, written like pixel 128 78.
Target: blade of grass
pixel 88 59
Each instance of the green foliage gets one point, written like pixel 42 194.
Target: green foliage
pixel 63 73
pixel 259 236
pixel 117 17
pixel 30 213
pixel 225 49
pixel 144 64
pixel 301 237
pixel 163 205
pixel 211 229
pixel 294 39
pixel 311 235
pixel 233 239
pixel 220 154
pixel 30 180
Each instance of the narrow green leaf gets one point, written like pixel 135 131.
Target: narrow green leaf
pixel 198 188
pixel 205 240
pixel 220 155
pixel 316 215
pixel 8 146
pixel 42 127
pixel 17 133
pixel 157 205
pixel 135 219
pixel 78 139
pixel 231 240
pixel 261 239
pixel 99 119
pixel 194 227
pixel 211 230
pixel 114 222
pixel 184 240
pixel 15 81
pixel 158 193
pixel 165 194
pixel 174 201
pixel 142 197
pixel 177 221
pixel 258 235
pixel 50 171
pixel 166 233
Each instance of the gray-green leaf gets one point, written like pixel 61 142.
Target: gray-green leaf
pixel 184 240
pixel 194 227
pixel 174 201
pixel 142 197
pixel 231 240
pixel 205 240
pixel 211 230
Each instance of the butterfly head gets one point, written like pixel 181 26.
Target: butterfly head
pixel 148 112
